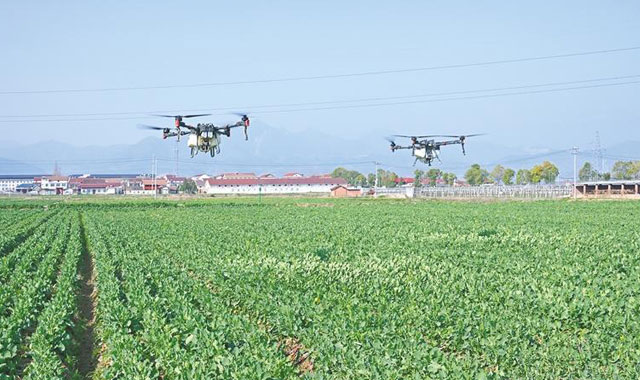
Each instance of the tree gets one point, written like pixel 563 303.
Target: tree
pixel 351 176
pixel 546 172
pixel 523 177
pixel 626 170
pixel 449 178
pixel 587 173
pixel 371 180
pixel 188 187
pixel 475 175
pixel 417 178
pixel 361 180
pixel 497 173
pixel 433 175
pixel 387 178
pixel 507 176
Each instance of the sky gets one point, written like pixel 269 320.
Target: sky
pixel 98 44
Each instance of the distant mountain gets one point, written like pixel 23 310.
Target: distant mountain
pixel 274 150
pixel 18 167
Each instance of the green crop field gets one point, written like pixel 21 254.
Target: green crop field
pixel 319 288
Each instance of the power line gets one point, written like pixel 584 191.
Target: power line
pixel 354 106
pixel 494 89
pixel 275 165
pixel 329 76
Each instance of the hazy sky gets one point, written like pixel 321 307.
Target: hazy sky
pixel 98 44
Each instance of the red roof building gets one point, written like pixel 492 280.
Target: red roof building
pixel 289 185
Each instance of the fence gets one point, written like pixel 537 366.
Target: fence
pixel 493 191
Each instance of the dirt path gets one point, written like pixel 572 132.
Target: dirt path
pixel 85 320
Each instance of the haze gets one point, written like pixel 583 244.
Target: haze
pixel 96 44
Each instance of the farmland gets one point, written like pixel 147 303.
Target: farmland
pixel 318 288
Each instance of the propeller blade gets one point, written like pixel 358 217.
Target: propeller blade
pixel 145 126
pixel 476 134
pixel 183 116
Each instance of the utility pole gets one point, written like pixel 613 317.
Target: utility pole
pixel 375 185
pixel 177 156
pixel 574 152
pixel 153 175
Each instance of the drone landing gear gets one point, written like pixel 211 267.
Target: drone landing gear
pixel 212 151
pixel 194 151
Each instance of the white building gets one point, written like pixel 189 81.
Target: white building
pixel 9 183
pixel 255 186
pixel 54 184
pixel 100 189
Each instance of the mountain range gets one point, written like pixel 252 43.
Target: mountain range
pixel 275 150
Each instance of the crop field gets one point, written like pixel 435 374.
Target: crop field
pixel 319 289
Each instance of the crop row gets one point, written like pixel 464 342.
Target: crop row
pixel 50 352
pixel 156 321
pixel 468 291
pixel 29 274
pixel 17 224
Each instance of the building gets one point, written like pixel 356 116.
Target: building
pixel 614 189
pixel 27 188
pixel 342 191
pixel 103 188
pixel 154 184
pixel 9 183
pixel 53 185
pixel 255 186
pixel 236 176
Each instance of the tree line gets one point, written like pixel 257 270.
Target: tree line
pixel 621 170
pixel 545 172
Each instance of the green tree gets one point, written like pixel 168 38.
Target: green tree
pixel 361 180
pixel 417 178
pixel 475 175
pixel 497 173
pixel 507 176
pixel 626 170
pixel 546 172
pixel 433 175
pixel 387 178
pixel 449 178
pixel 523 177
pixel 371 180
pixel 351 176
pixel 188 187
pixel 587 173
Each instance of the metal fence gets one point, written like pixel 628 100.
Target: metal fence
pixel 493 191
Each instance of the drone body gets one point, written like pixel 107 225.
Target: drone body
pixel 204 137
pixel 425 149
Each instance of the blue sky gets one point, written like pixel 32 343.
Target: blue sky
pixel 97 44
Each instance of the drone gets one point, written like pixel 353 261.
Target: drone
pixel 426 149
pixel 204 137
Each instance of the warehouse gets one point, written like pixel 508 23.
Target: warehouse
pixel 617 188
pixel 290 185
pixel 9 183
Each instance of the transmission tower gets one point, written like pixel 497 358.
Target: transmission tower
pixel 598 154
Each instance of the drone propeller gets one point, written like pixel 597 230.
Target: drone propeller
pixel 392 143
pixel 165 131
pixel 178 118
pixel 244 117
pixel 420 136
pixel 184 116
pixel 145 126
pixel 464 137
